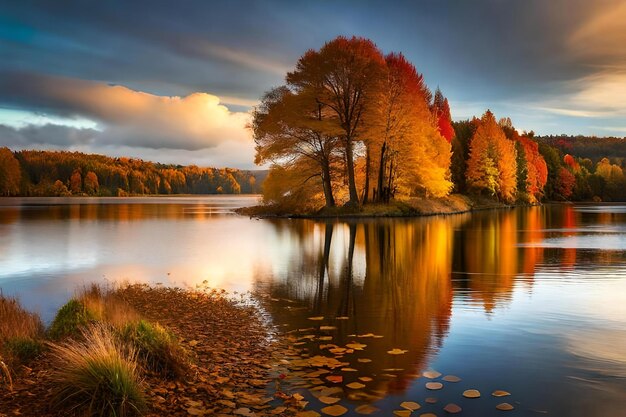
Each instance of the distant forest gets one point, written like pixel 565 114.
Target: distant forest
pixel 50 173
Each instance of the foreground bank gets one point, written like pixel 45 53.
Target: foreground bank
pixel 172 352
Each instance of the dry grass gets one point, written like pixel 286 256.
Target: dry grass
pixel 96 376
pixel 105 306
pixel 5 375
pixel 15 322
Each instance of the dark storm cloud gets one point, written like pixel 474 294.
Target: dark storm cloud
pixel 48 134
pixel 550 65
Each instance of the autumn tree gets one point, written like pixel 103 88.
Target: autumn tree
pixel 492 160
pixel 536 168
pixel 565 183
pixel 441 111
pixel 91 183
pixel 76 182
pixel 10 173
pixel 291 127
pixel 343 76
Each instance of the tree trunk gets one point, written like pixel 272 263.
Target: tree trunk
pixel 367 176
pixel 328 189
pixel 354 196
pixel 381 172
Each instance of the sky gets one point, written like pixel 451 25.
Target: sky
pixel 174 81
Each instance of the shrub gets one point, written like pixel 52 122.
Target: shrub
pixel 15 322
pixel 22 350
pixel 157 348
pixel 96 376
pixel 70 319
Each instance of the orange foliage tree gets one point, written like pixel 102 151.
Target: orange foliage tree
pixel 492 165
pixel 10 173
pixel 441 111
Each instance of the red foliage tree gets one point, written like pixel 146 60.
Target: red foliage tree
pixel 441 110
pixel 565 183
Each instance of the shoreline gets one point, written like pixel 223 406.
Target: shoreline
pixel 412 208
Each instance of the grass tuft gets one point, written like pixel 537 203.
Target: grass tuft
pixel 104 305
pixel 157 348
pixel 96 376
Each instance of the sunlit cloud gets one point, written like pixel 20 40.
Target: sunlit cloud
pixel 132 118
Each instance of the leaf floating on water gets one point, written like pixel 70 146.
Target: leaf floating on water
pixel 504 407
pixel 431 374
pixel 309 413
pixel 366 335
pixel 364 360
pixel 328 327
pixel 402 413
pixel 317 318
pixel 366 409
pixel 410 405
pixel 348 370
pixel 451 378
pixel 337 379
pixel 245 412
pixel 325 338
pixel 452 408
pixel 356 346
pixel 428 415
pixel 355 385
pixel 342 318
pixel 329 400
pixel 500 393
pixel 298 397
pixel 434 385
pixel 335 410
pixel 471 393
pixel 396 351
pixel 365 379
pixel 431 400
pixel 196 411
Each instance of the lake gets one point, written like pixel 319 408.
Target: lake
pixel 529 300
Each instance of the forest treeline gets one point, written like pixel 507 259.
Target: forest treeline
pixel 353 126
pixel 51 173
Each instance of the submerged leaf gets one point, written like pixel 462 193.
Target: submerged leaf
pixel 396 351
pixel 366 409
pixel 329 400
pixel 355 385
pixel 452 408
pixel 451 378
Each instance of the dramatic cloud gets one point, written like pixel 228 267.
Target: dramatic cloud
pixel 48 134
pixel 127 117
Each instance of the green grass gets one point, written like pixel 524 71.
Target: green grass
pixel 70 319
pixel 157 348
pixel 96 376
pixel 22 350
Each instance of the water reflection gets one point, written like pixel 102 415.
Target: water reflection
pixel 511 299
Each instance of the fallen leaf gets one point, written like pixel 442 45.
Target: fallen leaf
pixel 355 385
pixel 434 385
pixel 431 400
pixel 309 413
pixel 504 407
pixel 328 327
pixel 431 374
pixel 348 370
pixel 396 351
pixel 452 408
pixel 471 393
pixel 337 379
pixel 499 393
pixel 342 318
pixel 335 410
pixel 356 346
pixel 402 413
pixel 196 411
pixel 428 415
pixel 364 360
pixel 451 378
pixel 365 378
pixel 317 318
pixel 410 405
pixel 366 409
pixel 329 400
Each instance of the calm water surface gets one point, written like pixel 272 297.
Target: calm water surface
pixel 531 301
